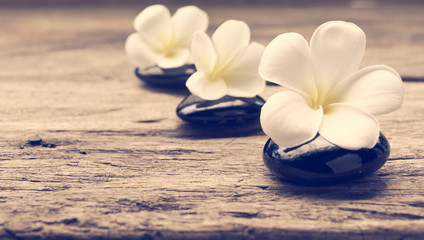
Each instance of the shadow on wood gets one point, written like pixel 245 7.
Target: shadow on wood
pixel 201 131
pixel 174 89
pixel 361 189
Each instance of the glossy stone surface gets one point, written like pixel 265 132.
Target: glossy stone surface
pixel 35 140
pixel 321 162
pixel 224 110
pixel 159 76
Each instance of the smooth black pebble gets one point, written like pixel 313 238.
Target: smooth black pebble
pixel 161 76
pixel 222 111
pixel 34 140
pixel 321 162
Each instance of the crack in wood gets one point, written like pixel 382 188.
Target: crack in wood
pixel 110 164
pixel 242 214
pixel 66 221
pixel 384 214
pixel 138 206
pixel 416 204
pixel 401 158
pixel 172 152
pixel 150 120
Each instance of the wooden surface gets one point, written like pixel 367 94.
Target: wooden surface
pixel 116 162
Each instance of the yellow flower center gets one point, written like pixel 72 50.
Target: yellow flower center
pixel 214 75
pixel 315 105
pixel 217 72
pixel 167 46
pixel 167 50
pixel 324 98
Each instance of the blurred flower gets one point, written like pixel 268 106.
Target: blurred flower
pixel 329 95
pixel 227 64
pixel 164 40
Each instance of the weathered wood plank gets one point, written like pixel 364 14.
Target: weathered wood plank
pixel 124 165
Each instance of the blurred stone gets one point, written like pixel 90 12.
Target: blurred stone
pixel 159 76
pixel 35 140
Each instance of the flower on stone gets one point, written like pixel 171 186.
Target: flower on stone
pixel 163 40
pixel 328 93
pixel 227 64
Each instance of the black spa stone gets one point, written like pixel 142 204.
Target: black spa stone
pixel 321 162
pixel 160 76
pixel 222 111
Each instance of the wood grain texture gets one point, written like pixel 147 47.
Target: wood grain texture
pixel 120 164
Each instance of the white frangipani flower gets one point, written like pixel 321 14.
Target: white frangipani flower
pixel 227 64
pixel 163 40
pixel 329 94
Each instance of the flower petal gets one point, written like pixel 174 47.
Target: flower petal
pixel 229 38
pixel 176 59
pixel 288 119
pixel 349 127
pixel 337 48
pixel 287 61
pixel 200 85
pixel 242 75
pixel 139 52
pixel 154 25
pixel 377 89
pixel 247 58
pixel 186 21
pixel 203 52
pixel 245 84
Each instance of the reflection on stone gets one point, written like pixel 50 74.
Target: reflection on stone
pixel 321 162
pixel 159 76
pixel 224 110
